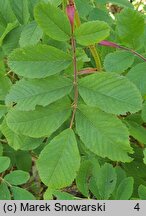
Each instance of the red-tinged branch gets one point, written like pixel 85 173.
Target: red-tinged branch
pixel 111 44
pixel 75 80
pixel 134 52
pixel 70 10
pixel 87 71
pixel 92 48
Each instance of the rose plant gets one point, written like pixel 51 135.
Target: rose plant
pixel 72 100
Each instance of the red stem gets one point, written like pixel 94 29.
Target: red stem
pixel 75 80
pixel 134 52
pixel 87 71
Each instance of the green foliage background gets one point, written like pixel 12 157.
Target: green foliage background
pixel 101 153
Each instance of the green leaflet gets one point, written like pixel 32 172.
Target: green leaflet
pixel 93 188
pixel 21 11
pixel 125 189
pixel 6 13
pixel 137 131
pixel 60 195
pixel 11 41
pixel 38 61
pixel 130 26
pixel 21 194
pixel 142 192
pixel 4 192
pixel 31 5
pixel 31 34
pixel 91 32
pixel 53 21
pixel 111 93
pixel 3 110
pixel 29 93
pixel 59 161
pixel 118 61
pixel 4 163
pixel 137 75
pixel 5 84
pixel 84 7
pixel 106 181
pixel 10 27
pixel 121 174
pixel 99 14
pixel 82 177
pixel 48 195
pixel 103 133
pixel 41 122
pixel 17 177
pixel 19 141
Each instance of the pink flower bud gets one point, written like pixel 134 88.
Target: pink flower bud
pixel 108 43
pixel 70 10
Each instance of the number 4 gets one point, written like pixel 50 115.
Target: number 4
pixel 137 207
